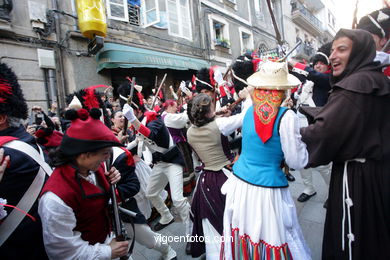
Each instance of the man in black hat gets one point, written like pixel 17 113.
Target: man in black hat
pixel 74 201
pixel 25 240
pixel 167 160
pixel 378 24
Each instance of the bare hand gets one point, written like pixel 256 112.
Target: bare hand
pixel 31 129
pixel 118 248
pixel 36 108
pixel 113 175
pixel 122 138
pixel 4 164
pixel 288 102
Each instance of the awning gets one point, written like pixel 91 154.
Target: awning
pixel 121 56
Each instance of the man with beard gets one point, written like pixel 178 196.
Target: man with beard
pixel 352 131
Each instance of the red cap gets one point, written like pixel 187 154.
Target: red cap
pixel 87 133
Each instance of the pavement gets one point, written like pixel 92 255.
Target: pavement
pixel 311 215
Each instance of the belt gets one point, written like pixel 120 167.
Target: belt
pixel 347 204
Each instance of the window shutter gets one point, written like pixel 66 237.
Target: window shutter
pixel 173 15
pixel 150 12
pixel 185 18
pixel 117 10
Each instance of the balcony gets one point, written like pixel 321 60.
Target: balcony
pixel 313 5
pixel 305 51
pixel 304 18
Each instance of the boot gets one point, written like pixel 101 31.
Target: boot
pixel 166 250
pixel 170 254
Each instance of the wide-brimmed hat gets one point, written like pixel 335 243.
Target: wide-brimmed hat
pixel 273 75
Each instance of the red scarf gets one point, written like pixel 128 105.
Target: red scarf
pixel 265 110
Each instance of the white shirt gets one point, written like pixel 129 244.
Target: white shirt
pixel 61 241
pixel 228 125
pixel 177 120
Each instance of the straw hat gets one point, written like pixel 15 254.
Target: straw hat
pixel 273 75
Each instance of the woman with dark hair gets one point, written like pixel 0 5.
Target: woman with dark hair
pixel 208 137
pixel 118 123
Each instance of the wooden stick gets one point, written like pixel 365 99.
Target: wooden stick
pixel 158 90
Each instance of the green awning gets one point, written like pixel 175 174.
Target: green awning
pixel 121 56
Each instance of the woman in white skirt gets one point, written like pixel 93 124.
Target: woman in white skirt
pixel 260 220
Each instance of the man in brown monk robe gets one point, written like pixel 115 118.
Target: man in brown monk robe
pixel 353 131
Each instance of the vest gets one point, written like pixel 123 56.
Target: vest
pixel 88 202
pixel 259 163
pixel 210 145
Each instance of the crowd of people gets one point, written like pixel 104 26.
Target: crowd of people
pixel 89 181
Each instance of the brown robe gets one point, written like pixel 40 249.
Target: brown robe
pixel 355 123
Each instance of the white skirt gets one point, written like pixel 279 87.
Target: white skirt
pixel 261 223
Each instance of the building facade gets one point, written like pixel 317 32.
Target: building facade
pixel 146 39
pixel 311 21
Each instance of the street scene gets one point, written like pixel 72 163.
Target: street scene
pixel 194 129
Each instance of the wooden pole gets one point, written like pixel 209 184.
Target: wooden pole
pixel 158 90
pixel 277 33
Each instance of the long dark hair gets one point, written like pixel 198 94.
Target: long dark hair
pixel 58 158
pixel 198 108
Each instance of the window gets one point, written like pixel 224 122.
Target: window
pixel 150 12
pixel 219 31
pixel 331 20
pixel 220 39
pixel 179 18
pixel 117 10
pixel 297 37
pixel 246 40
pixel 259 10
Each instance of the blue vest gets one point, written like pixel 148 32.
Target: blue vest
pixel 259 163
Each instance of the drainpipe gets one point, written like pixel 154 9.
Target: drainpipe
pixel 45 75
pixel 59 60
pixel 74 12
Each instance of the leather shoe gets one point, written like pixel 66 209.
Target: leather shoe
pixel 188 248
pixel 290 177
pixel 304 197
pixel 160 226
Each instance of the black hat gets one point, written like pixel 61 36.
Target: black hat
pixel 137 101
pixel 377 22
pixel 204 80
pixel 242 69
pixel 12 102
pixel 90 98
pixel 322 54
